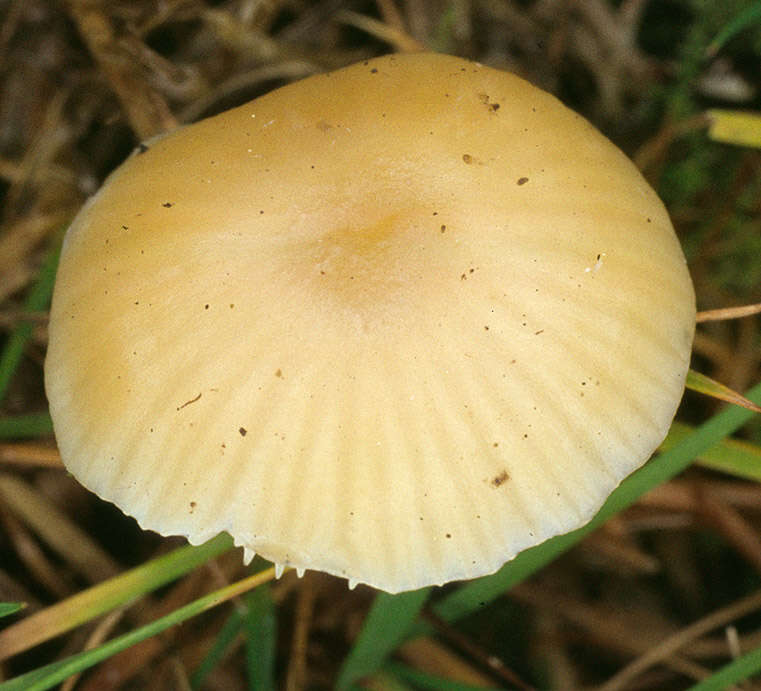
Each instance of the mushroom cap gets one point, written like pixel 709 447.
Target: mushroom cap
pixel 397 323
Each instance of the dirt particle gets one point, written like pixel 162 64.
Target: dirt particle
pixel 443 229
pixel 192 506
pixel 279 373
pixel 141 148
pixel 448 536
pixel 374 70
pixel 243 431
pixel 522 181
pixel 500 479
pixel 467 158
pixel 167 205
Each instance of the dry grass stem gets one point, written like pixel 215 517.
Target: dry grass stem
pixel 31 454
pixel 57 530
pixel 99 635
pixel 394 36
pixel 728 313
pixel 669 646
pixel 432 657
pixel 297 676
pixel 732 525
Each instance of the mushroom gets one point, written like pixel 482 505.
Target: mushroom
pixel 397 323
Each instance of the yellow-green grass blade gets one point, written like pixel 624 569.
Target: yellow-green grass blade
pixel 56 672
pixel 115 592
pixel 710 387
pixel 738 127
pixel 732 456
pixel 387 624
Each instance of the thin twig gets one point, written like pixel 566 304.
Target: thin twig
pixel 679 640
pixel 728 313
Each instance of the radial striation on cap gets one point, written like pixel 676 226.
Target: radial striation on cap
pixel 396 322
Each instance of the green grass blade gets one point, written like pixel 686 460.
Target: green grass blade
pixel 384 681
pixel 738 670
pixel 742 21
pixel 36 301
pixel 56 672
pixel 260 625
pixel 225 637
pixel 422 680
pixel 8 608
pixel 663 467
pixel 732 456
pixel 29 426
pixel 387 624
pixel 115 592
pixel 697 381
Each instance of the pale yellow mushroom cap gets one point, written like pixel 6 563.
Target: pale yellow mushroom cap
pixel 397 323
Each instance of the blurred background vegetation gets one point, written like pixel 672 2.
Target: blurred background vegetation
pixel 82 82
